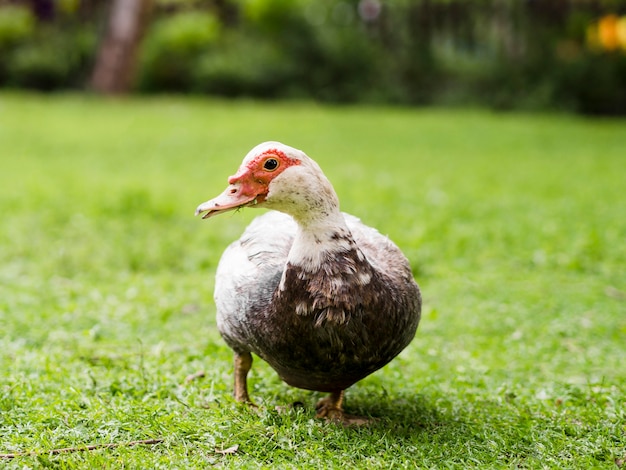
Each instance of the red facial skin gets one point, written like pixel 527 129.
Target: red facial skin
pixel 250 185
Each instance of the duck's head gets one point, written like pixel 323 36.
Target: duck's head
pixel 275 176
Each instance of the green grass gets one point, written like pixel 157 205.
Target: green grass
pixel 515 226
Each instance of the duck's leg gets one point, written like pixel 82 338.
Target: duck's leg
pixel 243 363
pixel 331 408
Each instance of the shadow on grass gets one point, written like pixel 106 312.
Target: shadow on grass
pixel 404 415
pixel 493 432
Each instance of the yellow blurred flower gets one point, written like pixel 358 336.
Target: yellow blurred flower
pixel 608 33
pixel 621 32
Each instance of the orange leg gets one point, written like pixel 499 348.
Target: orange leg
pixel 243 363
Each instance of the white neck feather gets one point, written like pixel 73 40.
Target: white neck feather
pixel 305 193
pixel 313 243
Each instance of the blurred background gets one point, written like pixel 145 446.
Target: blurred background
pixel 568 55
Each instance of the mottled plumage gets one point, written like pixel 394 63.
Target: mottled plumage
pixel 324 299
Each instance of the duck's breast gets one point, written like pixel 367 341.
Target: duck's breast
pixel 247 275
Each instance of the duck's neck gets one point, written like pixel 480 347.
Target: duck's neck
pixel 318 241
pixel 326 273
pixel 311 200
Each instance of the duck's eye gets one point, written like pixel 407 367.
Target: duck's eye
pixel 270 164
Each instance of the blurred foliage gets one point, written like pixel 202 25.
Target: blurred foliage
pixel 16 24
pixel 506 54
pixel 59 61
pixel 244 66
pixel 45 55
pixel 173 47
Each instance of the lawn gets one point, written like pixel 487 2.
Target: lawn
pixel 515 226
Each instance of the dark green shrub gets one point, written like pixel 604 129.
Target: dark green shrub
pixel 172 48
pixel 271 16
pixel 349 68
pixel 38 66
pixel 324 52
pixel 594 83
pixel 246 66
pixel 52 60
pixel 16 25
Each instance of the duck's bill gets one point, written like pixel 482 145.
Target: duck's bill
pixel 232 198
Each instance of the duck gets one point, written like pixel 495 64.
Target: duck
pixel 321 297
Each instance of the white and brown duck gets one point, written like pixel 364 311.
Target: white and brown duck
pixel 323 298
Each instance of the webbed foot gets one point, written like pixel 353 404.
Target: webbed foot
pixel 331 408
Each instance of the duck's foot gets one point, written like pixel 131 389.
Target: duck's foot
pixel 331 408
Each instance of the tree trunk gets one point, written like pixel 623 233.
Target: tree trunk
pixel 116 63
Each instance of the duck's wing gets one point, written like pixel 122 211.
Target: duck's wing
pixel 249 272
pixel 380 251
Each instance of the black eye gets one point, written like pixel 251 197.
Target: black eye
pixel 270 164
